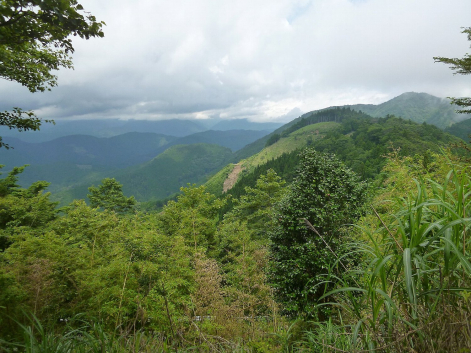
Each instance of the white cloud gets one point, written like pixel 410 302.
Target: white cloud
pixel 253 59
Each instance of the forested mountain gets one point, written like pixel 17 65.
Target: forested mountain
pixel 114 127
pixel 233 139
pixel 84 160
pixel 163 175
pixel 115 152
pixel 81 158
pixel 360 141
pixel 105 128
pixel 418 107
pixel 461 129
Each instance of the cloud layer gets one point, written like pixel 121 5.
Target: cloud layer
pixel 262 60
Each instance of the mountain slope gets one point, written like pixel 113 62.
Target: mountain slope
pixel 360 141
pixel 296 140
pixel 418 107
pixel 461 129
pixel 72 159
pixel 117 152
pixel 233 139
pixel 163 175
pixel 105 128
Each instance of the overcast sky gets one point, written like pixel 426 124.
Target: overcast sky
pixel 259 59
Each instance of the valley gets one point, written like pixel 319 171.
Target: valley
pixel 72 163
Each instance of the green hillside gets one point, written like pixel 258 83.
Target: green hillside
pixel 335 114
pixel 294 141
pixel 233 139
pixel 461 129
pixel 418 107
pixel 163 175
pixel 361 142
pixel 81 159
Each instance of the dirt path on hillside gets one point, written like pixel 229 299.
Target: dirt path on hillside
pixel 232 177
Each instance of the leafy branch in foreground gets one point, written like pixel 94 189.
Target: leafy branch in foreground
pixel 20 120
pixel 34 40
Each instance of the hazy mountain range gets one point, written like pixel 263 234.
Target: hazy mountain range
pixel 158 157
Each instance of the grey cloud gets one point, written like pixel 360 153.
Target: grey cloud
pixel 260 60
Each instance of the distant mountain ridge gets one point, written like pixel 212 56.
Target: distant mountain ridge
pixel 163 175
pixel 359 140
pixel 115 127
pixel 154 165
pixel 233 139
pixel 117 151
pixel 74 159
pixel 418 107
pixel 244 124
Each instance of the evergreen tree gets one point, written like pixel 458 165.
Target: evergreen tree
pixel 328 196
pixel 463 67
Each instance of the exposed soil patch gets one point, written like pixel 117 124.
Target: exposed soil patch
pixel 232 177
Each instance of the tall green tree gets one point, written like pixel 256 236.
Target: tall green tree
pixel 35 38
pixel 109 196
pixel 256 207
pixel 308 240
pixel 460 66
pixel 23 208
pixel 193 216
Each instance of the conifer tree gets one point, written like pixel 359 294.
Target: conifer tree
pixel 329 196
pixel 461 66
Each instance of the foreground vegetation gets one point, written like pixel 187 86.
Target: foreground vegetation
pixel 85 279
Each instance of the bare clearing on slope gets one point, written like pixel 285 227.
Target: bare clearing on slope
pixel 232 178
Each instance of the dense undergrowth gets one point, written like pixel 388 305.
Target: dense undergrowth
pixel 187 279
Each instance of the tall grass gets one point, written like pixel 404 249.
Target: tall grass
pixel 88 337
pixel 415 288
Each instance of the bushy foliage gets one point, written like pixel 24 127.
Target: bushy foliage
pixel 140 273
pixel 411 293
pixel 21 207
pixel 193 216
pixel 256 206
pixel 109 196
pixel 329 196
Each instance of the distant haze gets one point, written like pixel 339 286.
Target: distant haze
pixel 259 60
